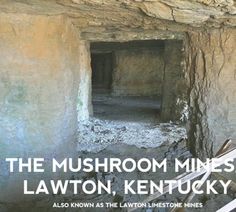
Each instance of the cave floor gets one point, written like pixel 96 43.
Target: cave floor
pixel 145 109
pixel 126 120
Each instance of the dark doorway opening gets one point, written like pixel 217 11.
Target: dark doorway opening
pixel 133 81
pixel 127 80
pixel 101 64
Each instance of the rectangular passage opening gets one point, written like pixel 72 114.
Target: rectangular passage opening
pixel 127 80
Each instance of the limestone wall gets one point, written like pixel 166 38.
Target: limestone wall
pixel 211 65
pixel 38 81
pixel 138 72
pixel 39 78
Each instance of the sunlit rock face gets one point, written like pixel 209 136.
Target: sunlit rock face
pixel 38 81
pixel 39 75
pixel 110 19
pixel 211 66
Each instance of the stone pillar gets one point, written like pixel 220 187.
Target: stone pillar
pixel 211 64
pixel 39 75
pixel 84 101
pixel 174 89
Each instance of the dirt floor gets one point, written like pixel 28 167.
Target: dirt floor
pixel 126 120
pixel 127 108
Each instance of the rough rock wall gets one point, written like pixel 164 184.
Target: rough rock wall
pixel 39 86
pixel 126 20
pixel 174 90
pixel 211 64
pixel 138 72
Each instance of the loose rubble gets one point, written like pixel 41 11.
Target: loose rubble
pixel 95 135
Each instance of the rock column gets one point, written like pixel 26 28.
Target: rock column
pixel 211 65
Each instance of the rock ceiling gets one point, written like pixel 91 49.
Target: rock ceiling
pixel 118 18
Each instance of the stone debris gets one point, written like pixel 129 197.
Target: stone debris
pixel 95 135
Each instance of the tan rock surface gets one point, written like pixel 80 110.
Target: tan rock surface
pixel 211 65
pixel 110 17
